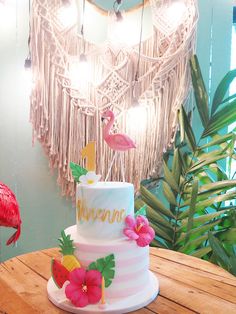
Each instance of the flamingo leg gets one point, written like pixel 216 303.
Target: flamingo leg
pixel 112 162
pixel 122 166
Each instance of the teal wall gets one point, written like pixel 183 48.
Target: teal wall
pixel 214 39
pixel 25 168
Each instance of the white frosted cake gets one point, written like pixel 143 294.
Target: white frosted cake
pixel 110 245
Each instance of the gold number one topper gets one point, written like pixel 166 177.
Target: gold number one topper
pixel 89 153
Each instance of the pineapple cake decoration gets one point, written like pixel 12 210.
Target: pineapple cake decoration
pixel 69 275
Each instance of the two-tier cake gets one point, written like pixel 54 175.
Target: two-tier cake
pixel 111 247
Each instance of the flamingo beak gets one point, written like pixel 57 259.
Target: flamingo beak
pixel 102 119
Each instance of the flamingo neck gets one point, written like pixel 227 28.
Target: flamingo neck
pixel 108 127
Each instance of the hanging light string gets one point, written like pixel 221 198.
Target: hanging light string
pixel 82 27
pixel 116 7
pixel 140 43
pixel 27 64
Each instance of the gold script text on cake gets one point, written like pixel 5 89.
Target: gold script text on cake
pixel 109 215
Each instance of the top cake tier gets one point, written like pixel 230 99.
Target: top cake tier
pixel 101 209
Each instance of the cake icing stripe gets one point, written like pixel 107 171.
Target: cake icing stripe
pixel 117 248
pixel 121 263
pixel 127 291
pixel 128 277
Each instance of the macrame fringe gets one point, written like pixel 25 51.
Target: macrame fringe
pixel 65 119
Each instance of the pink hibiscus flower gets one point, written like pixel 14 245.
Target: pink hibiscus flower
pixel 84 287
pixel 139 230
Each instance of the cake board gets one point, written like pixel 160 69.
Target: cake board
pixel 113 306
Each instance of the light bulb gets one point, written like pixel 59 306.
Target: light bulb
pixel 122 31
pixel 80 72
pixel 7 14
pixel 175 13
pixel 29 83
pixel 67 15
pixel 137 117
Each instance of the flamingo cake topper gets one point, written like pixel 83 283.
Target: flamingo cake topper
pixel 9 212
pixel 117 141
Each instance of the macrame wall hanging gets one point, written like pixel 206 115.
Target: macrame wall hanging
pixel 66 115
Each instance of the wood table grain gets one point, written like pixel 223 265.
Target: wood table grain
pixel 187 285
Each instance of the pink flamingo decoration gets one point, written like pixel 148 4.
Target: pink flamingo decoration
pixel 117 141
pixel 9 212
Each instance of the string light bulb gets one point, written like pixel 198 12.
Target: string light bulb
pixel 80 73
pixel 66 2
pixel 137 113
pixel 84 68
pixel 67 14
pixel 27 64
pixel 116 6
pixel 7 15
pixel 175 13
pixel 137 117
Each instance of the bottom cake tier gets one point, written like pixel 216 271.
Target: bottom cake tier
pixel 112 306
pixel 133 285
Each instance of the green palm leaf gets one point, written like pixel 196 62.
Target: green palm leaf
pixel 228 236
pixel 157 243
pixel 187 129
pixel 219 251
pixel 208 202
pixel 194 244
pixel 221 119
pixel 160 231
pixel 192 209
pixel 203 219
pixel 225 184
pixel 154 202
pixel 169 178
pixel 200 93
pixel 200 164
pixel 201 252
pixel 169 194
pixel 217 171
pixel 222 89
pixel 154 215
pixel 176 165
pixel 220 140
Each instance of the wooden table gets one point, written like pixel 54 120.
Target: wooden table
pixel 187 285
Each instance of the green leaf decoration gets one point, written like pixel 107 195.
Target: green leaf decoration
pixel 106 267
pixel 141 212
pixel 77 171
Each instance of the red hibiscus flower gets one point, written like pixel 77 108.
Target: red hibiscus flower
pixel 84 287
pixel 139 230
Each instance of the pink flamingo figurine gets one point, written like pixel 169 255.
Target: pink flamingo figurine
pixel 9 212
pixel 117 141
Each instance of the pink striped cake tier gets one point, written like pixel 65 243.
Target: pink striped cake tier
pixel 131 261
